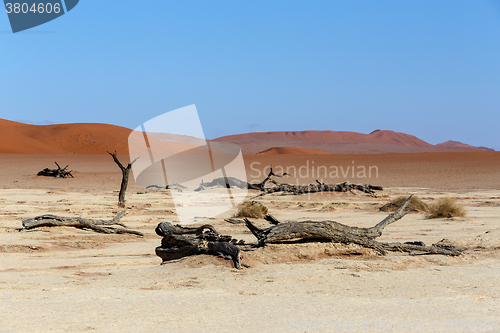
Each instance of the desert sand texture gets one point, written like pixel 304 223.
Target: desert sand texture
pixel 62 279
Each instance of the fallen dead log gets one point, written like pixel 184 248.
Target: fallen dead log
pixel 287 188
pixel 229 182
pixel 179 242
pixel 340 233
pixel 103 226
pixel 320 187
pixel 57 173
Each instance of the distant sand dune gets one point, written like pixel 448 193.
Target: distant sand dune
pixel 62 139
pixel 87 138
pixel 343 142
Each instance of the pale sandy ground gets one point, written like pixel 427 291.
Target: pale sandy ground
pixel 71 280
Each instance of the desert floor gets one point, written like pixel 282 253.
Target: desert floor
pixel 62 279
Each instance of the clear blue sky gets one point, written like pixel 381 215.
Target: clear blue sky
pixel 424 67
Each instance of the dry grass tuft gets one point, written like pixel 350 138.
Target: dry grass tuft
pixel 415 203
pixel 446 208
pixel 251 209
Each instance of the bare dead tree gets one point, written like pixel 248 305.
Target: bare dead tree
pixel 125 175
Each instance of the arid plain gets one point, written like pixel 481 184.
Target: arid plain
pixel 61 279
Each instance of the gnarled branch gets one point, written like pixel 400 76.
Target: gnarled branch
pixel 49 220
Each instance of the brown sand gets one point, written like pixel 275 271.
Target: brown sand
pixel 71 280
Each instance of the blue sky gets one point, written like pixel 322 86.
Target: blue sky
pixel 428 68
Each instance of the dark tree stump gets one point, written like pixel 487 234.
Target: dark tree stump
pixel 56 173
pixel 179 242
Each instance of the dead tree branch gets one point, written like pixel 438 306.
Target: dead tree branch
pixel 103 226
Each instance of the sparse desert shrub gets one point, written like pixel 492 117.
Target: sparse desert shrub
pixel 251 209
pixel 415 203
pixel 446 207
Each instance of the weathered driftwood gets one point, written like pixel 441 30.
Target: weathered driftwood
pixel 49 220
pixel 340 233
pixel 57 173
pixel 179 242
pixel 125 175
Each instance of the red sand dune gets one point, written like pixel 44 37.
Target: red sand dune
pixel 62 139
pixel 460 145
pixel 331 136
pixel 294 151
pixel 87 138
pixel 341 142
pixel 21 138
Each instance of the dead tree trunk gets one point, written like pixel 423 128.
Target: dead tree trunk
pixel 49 220
pixel 125 175
pixel 340 233
pixel 179 242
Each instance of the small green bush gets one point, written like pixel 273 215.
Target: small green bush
pixel 251 209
